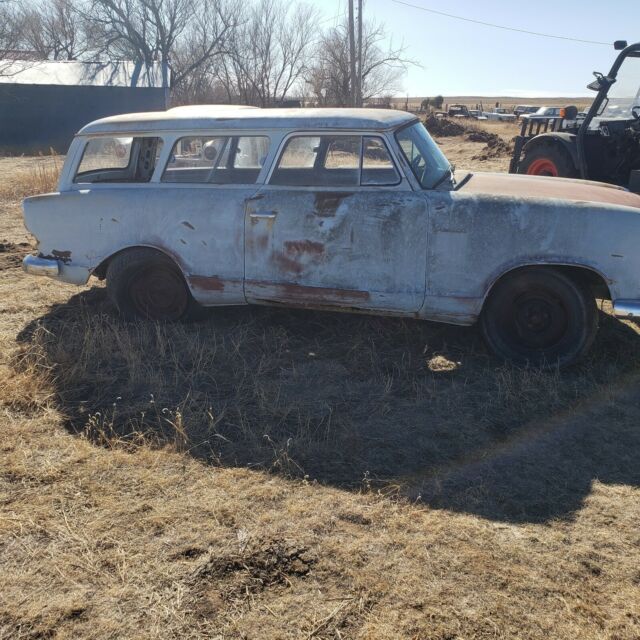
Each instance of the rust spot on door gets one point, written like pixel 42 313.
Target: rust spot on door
pixel 207 283
pixel 327 203
pixel 296 294
pixel 304 246
pixel 286 264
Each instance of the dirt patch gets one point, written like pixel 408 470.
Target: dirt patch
pixel 12 253
pixel 495 145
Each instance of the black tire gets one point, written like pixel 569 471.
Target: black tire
pixel 548 160
pixel 145 283
pixel 540 316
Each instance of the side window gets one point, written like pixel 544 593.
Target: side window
pixel 377 166
pixel 217 160
pixel 335 161
pixel 110 159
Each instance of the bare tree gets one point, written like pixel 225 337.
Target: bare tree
pixel 269 53
pixel 55 29
pixel 147 31
pixel 10 33
pixel 383 66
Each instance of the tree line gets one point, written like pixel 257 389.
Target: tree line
pixel 262 53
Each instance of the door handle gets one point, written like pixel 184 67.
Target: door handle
pixel 267 215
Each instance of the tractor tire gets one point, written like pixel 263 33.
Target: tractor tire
pixel 548 160
pixel 540 316
pixel 145 283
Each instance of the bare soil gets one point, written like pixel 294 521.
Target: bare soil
pixel 278 474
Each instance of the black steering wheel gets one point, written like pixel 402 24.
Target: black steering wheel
pixel 635 112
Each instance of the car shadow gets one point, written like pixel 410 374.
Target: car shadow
pixel 414 408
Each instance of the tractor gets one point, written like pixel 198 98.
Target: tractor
pixel 604 145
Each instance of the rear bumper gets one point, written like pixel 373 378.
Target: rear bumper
pixel 37 266
pixel 626 308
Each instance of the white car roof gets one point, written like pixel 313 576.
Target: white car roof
pixel 242 117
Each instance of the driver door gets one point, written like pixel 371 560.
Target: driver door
pixel 336 226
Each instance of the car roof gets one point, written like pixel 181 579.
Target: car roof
pixel 242 117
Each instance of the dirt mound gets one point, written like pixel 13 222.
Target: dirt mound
pixel 443 127
pixel 496 147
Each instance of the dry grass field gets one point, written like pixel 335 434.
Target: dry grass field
pixel 271 474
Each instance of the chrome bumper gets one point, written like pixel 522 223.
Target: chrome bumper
pixel 37 266
pixel 627 308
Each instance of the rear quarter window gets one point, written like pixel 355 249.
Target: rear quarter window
pixel 118 159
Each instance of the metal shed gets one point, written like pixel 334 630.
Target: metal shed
pixel 44 103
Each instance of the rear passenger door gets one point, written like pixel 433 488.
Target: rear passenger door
pixel 336 226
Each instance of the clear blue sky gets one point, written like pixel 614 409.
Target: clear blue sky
pixel 459 58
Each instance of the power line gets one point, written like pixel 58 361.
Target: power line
pixel 499 26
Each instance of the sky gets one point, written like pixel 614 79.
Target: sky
pixel 461 58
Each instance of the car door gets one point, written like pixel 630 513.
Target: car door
pixel 336 226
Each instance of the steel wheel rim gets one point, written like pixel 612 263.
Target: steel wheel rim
pixel 158 293
pixel 543 167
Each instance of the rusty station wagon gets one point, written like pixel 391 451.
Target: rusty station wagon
pixel 342 209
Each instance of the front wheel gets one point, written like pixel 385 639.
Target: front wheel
pixel 540 316
pixel 144 283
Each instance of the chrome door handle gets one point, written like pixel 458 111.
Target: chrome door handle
pixel 267 215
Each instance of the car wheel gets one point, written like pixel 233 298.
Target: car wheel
pixel 144 283
pixel 548 160
pixel 540 316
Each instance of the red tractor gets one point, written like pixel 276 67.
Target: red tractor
pixel 603 145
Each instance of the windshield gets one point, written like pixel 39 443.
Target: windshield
pixel 428 163
pixel 623 95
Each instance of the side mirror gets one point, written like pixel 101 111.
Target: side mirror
pixel 569 113
pixel 619 45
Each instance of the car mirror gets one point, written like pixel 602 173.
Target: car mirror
pixel 619 45
pixel 569 113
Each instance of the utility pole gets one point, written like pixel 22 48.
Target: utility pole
pixel 359 94
pixel 352 57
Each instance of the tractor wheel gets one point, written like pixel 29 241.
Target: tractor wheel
pixel 548 160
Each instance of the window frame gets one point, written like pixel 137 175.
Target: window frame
pixel 401 184
pixel 231 137
pixel 75 177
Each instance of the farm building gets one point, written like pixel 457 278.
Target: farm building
pixel 44 103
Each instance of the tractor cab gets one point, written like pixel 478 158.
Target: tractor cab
pixel 604 145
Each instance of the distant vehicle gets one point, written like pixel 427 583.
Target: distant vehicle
pixel 458 111
pixel 603 145
pixel 477 114
pixel 521 109
pixel 499 113
pixel 544 112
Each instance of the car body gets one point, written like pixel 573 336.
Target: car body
pixel 521 109
pixel 544 112
pixel 477 114
pixel 499 113
pixel 458 111
pixel 345 209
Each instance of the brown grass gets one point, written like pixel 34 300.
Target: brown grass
pixel 279 474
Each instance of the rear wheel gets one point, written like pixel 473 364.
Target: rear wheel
pixel 145 283
pixel 540 316
pixel 548 160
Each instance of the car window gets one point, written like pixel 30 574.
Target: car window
pixel 217 159
pixel 111 159
pixel 334 161
pixel 377 166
